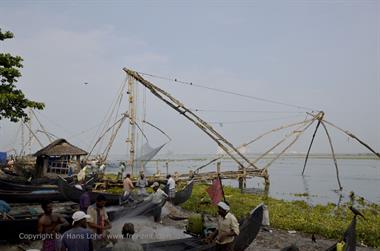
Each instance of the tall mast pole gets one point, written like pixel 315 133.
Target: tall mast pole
pixel 30 133
pixel 132 120
pixel 22 139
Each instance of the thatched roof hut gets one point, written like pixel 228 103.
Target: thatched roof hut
pixel 58 158
pixel 60 147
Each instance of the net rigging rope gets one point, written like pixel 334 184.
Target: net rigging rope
pixel 241 111
pixel 251 121
pixel 229 92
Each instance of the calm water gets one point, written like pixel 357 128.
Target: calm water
pixel 359 175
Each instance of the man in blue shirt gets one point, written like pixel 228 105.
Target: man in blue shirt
pixel 78 238
pixel 84 199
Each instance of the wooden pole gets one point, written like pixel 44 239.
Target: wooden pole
pixel 290 144
pixel 42 127
pixel 252 141
pixel 32 133
pixel 333 155
pixel 220 180
pixel 132 123
pixel 353 136
pixel 203 125
pixel 320 117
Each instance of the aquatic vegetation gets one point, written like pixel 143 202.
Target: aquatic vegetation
pixel 328 220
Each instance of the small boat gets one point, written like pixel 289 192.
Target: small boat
pixel 31 196
pixel 72 193
pixel 139 208
pixel 183 195
pixel 349 238
pixel 248 232
pixel 11 186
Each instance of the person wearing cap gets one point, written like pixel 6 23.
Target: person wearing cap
pixel 78 237
pixel 228 229
pixel 50 223
pixel 157 197
pixel 141 184
pixel 127 244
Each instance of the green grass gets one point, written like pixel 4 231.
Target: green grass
pixel 325 220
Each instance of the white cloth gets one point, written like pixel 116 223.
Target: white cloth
pixel 79 187
pixel 225 225
pixel 171 183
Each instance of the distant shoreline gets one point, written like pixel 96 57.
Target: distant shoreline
pixel 204 157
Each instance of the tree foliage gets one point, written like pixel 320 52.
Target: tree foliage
pixel 13 102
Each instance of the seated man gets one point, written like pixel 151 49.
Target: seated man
pixel 228 229
pixel 127 244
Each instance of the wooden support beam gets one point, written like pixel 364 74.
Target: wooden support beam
pixel 203 125
pixel 354 137
pixel 333 155
pixel 319 117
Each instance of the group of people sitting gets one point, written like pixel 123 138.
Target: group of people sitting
pixel 90 225
pixel 88 231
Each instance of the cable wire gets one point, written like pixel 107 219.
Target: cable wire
pixel 228 92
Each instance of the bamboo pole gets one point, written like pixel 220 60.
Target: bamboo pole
pixel 113 136
pixel 121 120
pixel 274 130
pixel 279 143
pixel 34 135
pixel 42 127
pixel 203 125
pixel 291 143
pixel 353 136
pixel 254 140
pixel 333 154
pixel 321 114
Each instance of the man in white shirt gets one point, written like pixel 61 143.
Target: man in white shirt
pixel 171 185
pixel 228 229
pixel 157 197
pixel 141 183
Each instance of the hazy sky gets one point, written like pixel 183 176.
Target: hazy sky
pixel 319 54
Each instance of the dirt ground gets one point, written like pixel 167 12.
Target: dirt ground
pixel 268 239
pixel 277 239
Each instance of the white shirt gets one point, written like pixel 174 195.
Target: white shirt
pixel 171 183
pixel 225 225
